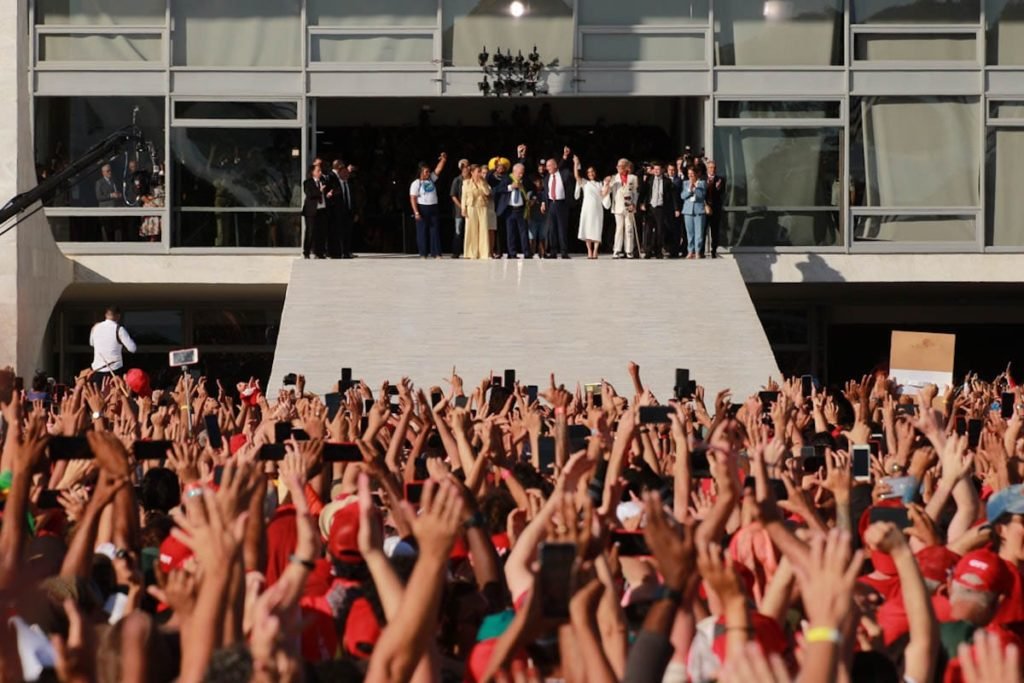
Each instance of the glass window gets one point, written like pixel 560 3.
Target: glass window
pixel 781 109
pixel 98 47
pixel 779 32
pixel 254 33
pixel 66 127
pixel 650 47
pixel 380 13
pixel 642 12
pixel 783 185
pixel 1000 109
pixel 342 49
pixel 926 229
pixel 248 327
pixel 1003 196
pixel 279 111
pixel 111 228
pixel 914 152
pixel 915 11
pixel 226 228
pixel 1005 32
pixel 101 12
pixel 149 328
pixel 471 25
pixel 228 167
pixel 888 47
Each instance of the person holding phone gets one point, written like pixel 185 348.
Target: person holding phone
pixel 693 196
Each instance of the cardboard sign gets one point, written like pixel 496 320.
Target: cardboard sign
pixel 917 359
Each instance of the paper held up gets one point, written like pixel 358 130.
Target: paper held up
pixel 917 359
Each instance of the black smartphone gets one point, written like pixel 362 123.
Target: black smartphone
pixel 333 403
pixel 495 382
pixel 631 543
pixel 700 468
pixel 876 446
pixel 597 399
pixel 973 433
pixel 282 431
pixel 342 452
pixel 435 398
pixel 69 448
pixel 897 516
pixel 1006 402
pixel 778 489
pixel 271 451
pixel 961 425
pixel 909 409
pixel 413 492
pixel 531 393
pixel 299 434
pixel 392 390
pixel 364 423
pixel 213 431
pixel 861 455
pixel 151 450
pixel 578 434
pixel 367 404
pixel 290 379
pixel 48 499
pixel 19 384
pixel 767 399
pixel 346 379
pixel 813 463
pixel 546 453
pixel 554 578
pixel 682 385
pixel 806 385
pixel 510 379
pixel 655 414
pixel 461 401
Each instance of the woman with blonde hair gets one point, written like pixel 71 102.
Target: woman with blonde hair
pixel 478 209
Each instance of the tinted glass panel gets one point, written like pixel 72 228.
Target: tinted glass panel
pixel 779 32
pixel 236 110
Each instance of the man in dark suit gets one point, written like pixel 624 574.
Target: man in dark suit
pixel 108 196
pixel 716 198
pixel 341 214
pixel 660 204
pixel 559 186
pixel 314 210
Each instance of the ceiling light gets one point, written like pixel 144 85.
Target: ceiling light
pixel 517 8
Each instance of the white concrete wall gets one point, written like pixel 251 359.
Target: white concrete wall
pixel 880 268
pixel 33 272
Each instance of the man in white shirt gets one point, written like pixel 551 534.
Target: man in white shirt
pixel 423 198
pixel 107 340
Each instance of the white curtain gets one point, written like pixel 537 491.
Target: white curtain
pixel 950 48
pixel 921 152
pixel 378 13
pixel 645 12
pixel 1007 204
pixel 100 48
pixel 254 33
pixel 603 47
pixel 777 32
pixel 470 25
pixel 380 48
pixel 101 12
pixel 1007 16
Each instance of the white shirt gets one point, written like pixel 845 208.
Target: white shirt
pixel 425 191
pixel 559 192
pixel 515 195
pixel 106 340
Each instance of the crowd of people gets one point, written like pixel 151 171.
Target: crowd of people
pixel 497 531
pixel 669 210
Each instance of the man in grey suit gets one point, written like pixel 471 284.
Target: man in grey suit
pixel 108 197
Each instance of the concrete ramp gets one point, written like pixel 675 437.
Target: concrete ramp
pixel 584 320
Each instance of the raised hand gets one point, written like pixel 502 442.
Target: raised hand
pixel 673 546
pixel 828 580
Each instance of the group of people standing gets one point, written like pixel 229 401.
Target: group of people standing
pixel 670 210
pixel 329 211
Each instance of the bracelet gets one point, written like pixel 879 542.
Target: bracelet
pixel 193 491
pixel 476 521
pixel 672 595
pixel 822 634
pixel 308 564
pixel 505 474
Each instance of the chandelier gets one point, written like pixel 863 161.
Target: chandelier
pixel 508 75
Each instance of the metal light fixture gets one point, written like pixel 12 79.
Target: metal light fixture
pixel 508 75
pixel 517 9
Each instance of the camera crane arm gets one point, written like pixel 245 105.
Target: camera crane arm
pixel 103 151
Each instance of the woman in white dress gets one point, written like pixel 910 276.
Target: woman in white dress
pixel 595 200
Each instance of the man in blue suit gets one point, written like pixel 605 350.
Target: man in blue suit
pixel 511 199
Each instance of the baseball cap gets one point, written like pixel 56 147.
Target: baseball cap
pixel 236 442
pixel 138 381
pixel 983 570
pixel 935 562
pixel 173 554
pixel 1009 501
pixel 342 542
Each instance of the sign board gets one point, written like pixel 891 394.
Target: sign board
pixel 917 359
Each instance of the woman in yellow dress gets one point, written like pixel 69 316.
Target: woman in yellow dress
pixel 476 206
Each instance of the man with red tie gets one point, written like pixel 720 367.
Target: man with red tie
pixel 558 187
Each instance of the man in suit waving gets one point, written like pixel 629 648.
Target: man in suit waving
pixel 716 198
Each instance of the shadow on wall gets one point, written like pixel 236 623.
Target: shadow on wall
pixel 758 268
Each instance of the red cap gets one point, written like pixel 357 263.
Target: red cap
pixel 236 442
pixel 460 551
pixel 173 554
pixel 936 561
pixel 767 633
pixel 362 630
pixel 138 382
pixel 982 570
pixel 343 541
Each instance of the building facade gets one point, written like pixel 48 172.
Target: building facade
pixel 874 149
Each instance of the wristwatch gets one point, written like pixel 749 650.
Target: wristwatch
pixel 97 415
